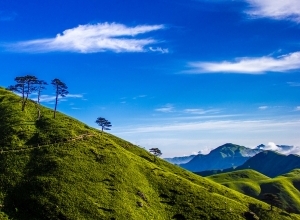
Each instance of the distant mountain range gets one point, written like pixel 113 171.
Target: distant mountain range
pixel 180 160
pixel 226 156
pixel 269 163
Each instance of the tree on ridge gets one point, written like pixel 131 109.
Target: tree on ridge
pixel 103 123
pixel 156 152
pixel 25 86
pixel 60 90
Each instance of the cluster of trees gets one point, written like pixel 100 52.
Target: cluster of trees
pixel 26 85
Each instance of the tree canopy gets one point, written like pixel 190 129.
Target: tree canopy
pixel 103 123
pixel 157 152
pixel 25 85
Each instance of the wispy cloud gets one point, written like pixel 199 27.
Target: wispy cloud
pixel 199 111
pixel 51 98
pixel 166 109
pixel 92 38
pixel 180 136
pixel 297 108
pixel 251 126
pixel 284 150
pixel 294 84
pixel 248 65
pixel 159 49
pixel 263 107
pixel 139 97
pixel 282 9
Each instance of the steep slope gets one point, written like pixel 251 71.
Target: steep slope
pixel 63 169
pixel 252 183
pixel 223 157
pixel 180 160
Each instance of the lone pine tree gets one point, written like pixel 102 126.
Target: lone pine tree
pixel 60 90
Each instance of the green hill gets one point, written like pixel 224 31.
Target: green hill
pixel 63 169
pixel 254 184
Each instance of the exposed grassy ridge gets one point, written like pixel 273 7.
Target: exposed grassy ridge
pixel 63 169
pixel 254 184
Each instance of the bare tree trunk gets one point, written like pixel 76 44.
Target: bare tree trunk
pixel 38 104
pixel 39 111
pixel 56 99
pixel 24 102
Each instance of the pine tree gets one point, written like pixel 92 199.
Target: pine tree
pixel 25 85
pixel 103 123
pixel 60 90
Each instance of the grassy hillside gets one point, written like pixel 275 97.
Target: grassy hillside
pixel 63 169
pixel 254 184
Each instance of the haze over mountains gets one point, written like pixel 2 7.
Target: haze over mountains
pixel 228 156
pixel 225 156
pixel 180 160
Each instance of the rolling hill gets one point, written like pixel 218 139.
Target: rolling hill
pixel 63 169
pixel 226 156
pixel 255 184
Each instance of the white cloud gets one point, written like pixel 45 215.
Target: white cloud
pixel 249 65
pixel 159 49
pixel 271 146
pixel 74 96
pixel 91 38
pixel 263 107
pixel 199 111
pixel 251 126
pixel 51 98
pixel 294 84
pixel 290 150
pixel 280 9
pixel 166 109
pixel 140 96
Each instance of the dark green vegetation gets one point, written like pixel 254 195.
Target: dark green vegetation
pixel 63 169
pixel 226 156
pixel 255 184
pixel 269 163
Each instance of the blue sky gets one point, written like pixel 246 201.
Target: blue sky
pixel 181 75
